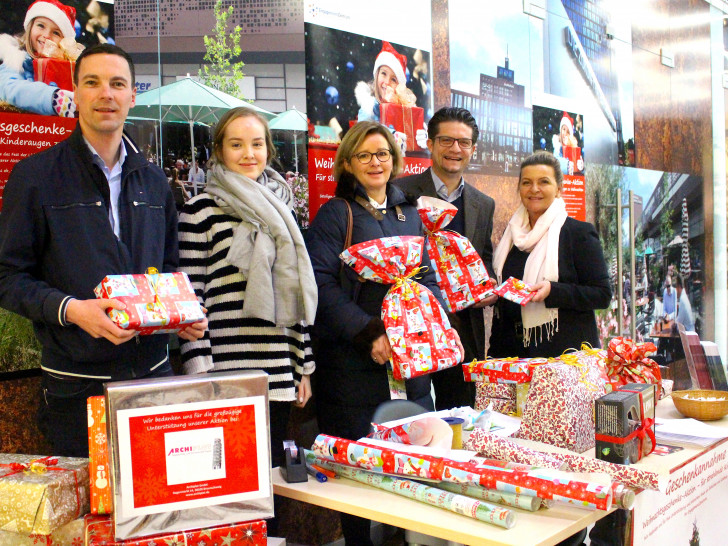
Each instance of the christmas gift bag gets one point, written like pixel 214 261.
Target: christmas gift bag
pixel 461 273
pixel 629 362
pixel 41 494
pixel 100 532
pixel 155 302
pixel 101 502
pixel 559 408
pixel 417 327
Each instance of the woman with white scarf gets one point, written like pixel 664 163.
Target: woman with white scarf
pixel 560 258
pixel 246 259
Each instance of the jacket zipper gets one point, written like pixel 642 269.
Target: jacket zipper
pixel 72 205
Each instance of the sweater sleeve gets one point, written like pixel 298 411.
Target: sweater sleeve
pixel 195 247
pixel 592 288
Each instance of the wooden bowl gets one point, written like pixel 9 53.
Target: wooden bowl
pixel 687 403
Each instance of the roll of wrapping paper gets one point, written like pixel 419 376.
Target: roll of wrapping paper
pixel 495 447
pixel 516 500
pixel 460 504
pixel 490 445
pixel 540 482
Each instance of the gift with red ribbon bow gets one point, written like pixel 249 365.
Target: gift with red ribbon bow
pixel 40 494
pixel 629 362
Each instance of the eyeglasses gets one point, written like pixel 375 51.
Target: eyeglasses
pixel 447 142
pixel 366 157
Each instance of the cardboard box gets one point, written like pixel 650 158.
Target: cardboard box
pixel 197 446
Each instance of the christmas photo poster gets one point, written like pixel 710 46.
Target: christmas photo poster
pixel 562 133
pixel 360 67
pixel 36 90
pixel 190 455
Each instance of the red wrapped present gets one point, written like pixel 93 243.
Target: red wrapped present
pixel 461 273
pixel 629 362
pixel 502 370
pixel 559 407
pixel 55 72
pixel 515 290
pixel 156 302
pixel 405 119
pixel 100 532
pixel 417 327
pixel 99 476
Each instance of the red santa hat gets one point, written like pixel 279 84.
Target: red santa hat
pixel 388 56
pixel 62 15
pixel 566 120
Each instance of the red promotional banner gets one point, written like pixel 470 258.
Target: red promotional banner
pixel 321 183
pixel 22 135
pixel 574 195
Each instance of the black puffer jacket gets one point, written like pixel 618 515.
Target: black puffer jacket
pixel 347 373
pixel 56 242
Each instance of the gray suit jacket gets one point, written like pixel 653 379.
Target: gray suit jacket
pixel 478 218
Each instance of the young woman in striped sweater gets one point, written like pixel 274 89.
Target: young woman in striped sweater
pixel 246 259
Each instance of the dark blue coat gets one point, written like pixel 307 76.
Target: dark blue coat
pixel 348 376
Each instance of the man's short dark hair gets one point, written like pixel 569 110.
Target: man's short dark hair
pixel 103 49
pixel 450 113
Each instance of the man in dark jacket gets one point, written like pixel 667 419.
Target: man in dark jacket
pixel 88 207
pixel 453 134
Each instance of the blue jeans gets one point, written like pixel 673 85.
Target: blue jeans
pixel 62 416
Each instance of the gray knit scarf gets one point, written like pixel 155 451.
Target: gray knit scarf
pixel 267 246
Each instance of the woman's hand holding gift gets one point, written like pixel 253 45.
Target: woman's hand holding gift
pixel 542 289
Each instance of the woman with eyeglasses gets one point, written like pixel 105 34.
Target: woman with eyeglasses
pixel 353 350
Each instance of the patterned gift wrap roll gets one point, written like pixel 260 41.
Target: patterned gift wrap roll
pixel 40 494
pixel 516 500
pixel 495 447
pixel 460 271
pixel 491 445
pixel 537 482
pixel 417 327
pixel 460 504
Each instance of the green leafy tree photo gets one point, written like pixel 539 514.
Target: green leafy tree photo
pixel 225 69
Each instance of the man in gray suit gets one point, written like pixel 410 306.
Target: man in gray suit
pixel 452 135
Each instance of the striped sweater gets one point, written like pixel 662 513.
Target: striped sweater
pixel 233 342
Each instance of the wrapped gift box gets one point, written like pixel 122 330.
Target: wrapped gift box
pixel 461 273
pixel 155 302
pixel 196 446
pixel 99 474
pixel 514 290
pixel 40 494
pixel 501 395
pixel 502 370
pixel 559 408
pixel 100 532
pixel 417 327
pixel 70 534
pixel 405 119
pixel 54 72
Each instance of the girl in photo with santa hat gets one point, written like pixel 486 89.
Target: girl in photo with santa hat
pixel 389 74
pixel 45 20
pixel 566 139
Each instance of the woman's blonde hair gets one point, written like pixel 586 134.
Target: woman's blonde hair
pixel 345 182
pixel 230 116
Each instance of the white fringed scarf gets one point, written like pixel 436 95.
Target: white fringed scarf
pixel 542 244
